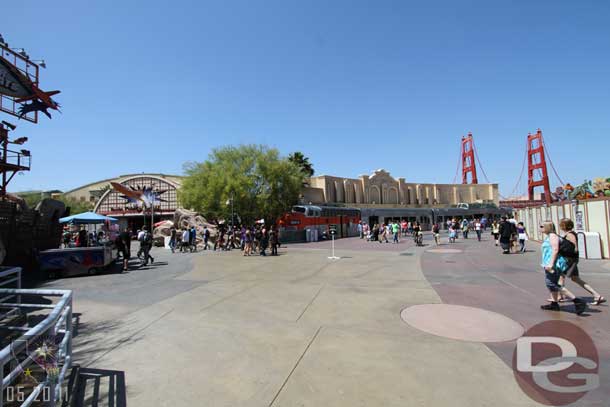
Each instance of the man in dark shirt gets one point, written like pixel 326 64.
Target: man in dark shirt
pixel 507 230
pixel 125 247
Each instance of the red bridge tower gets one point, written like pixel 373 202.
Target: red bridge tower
pixel 536 161
pixel 468 165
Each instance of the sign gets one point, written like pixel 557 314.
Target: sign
pixel 556 363
pixel 579 223
pixel 12 82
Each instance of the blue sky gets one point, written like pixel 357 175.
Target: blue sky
pixel 355 85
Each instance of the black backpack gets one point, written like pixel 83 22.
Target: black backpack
pixel 148 238
pixel 567 248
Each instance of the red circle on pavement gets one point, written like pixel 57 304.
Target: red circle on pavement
pixel 559 381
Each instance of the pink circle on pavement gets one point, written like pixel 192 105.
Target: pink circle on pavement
pixel 444 251
pixel 462 323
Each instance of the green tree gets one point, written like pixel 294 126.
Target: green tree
pixel 261 183
pixel 302 162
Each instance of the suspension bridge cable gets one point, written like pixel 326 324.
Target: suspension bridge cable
pixel 476 154
pixel 551 161
pixel 457 168
pixel 522 170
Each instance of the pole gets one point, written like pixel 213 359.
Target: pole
pixel 333 257
pixel 4 140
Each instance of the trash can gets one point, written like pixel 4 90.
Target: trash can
pixel 589 245
pixel 308 235
pixel 314 235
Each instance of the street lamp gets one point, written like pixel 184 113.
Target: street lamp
pixel 230 201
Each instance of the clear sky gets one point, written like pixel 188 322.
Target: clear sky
pixel 356 85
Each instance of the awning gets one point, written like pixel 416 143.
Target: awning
pixel 87 218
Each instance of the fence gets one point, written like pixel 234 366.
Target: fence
pixel 592 215
pixel 47 344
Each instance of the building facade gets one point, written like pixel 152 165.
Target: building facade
pixel 381 190
pixel 107 201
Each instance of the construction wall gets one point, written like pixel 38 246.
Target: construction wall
pixel 592 215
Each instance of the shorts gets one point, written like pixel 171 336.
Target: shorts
pixel 552 281
pixel 572 270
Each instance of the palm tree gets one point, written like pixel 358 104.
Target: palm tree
pixel 302 162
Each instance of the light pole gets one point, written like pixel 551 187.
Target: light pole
pixel 230 202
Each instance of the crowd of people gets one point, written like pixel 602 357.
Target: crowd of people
pixel 392 230
pixel 82 238
pixel 250 240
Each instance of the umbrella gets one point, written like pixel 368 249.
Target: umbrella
pixel 87 218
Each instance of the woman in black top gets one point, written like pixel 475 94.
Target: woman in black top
pixel 568 248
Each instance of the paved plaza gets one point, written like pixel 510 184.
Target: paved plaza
pixel 220 329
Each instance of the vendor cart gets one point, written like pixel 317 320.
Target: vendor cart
pixel 76 260
pixel 71 261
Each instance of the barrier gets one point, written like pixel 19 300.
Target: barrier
pixel 589 216
pixel 24 348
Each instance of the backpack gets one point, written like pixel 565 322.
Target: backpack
pixel 147 238
pixel 567 248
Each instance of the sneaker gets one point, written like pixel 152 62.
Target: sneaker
pixel 580 306
pixel 554 306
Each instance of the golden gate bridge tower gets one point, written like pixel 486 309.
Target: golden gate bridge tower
pixel 536 160
pixel 468 164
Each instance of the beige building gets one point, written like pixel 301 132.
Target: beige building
pixel 93 192
pixel 381 190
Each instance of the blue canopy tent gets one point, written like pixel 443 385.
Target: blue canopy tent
pixel 87 218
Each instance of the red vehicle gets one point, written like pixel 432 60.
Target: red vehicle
pixel 319 220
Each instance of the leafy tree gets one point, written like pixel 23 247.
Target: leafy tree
pixel 302 162
pixel 261 183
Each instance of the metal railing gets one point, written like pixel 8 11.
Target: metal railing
pixel 48 344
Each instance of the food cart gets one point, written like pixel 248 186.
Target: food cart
pixel 71 261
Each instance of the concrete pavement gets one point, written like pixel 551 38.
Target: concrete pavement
pixel 220 329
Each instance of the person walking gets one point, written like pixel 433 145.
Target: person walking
pixel 146 245
pixel 452 233
pixel 522 235
pixel 264 242
pixel 495 231
pixel 395 231
pixel 418 235
pixel 465 228
pixel 360 230
pixel 506 230
pixel 248 243
pixel 206 238
pixel 185 240
pixel 436 231
pixel 172 240
pixel 554 265
pixel 568 247
pixel 125 247
pixel 478 229
pixel 274 241
pixel 193 239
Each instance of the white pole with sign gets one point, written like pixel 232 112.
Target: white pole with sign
pixel 332 234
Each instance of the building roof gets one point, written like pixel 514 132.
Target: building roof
pixel 143 174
